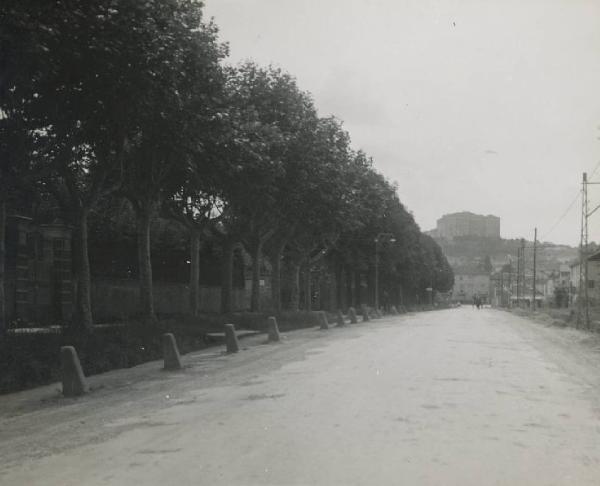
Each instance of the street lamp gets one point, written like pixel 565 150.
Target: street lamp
pixel 381 236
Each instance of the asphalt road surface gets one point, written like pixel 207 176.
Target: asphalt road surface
pixel 455 397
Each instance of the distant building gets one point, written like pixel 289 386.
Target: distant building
pixel 470 282
pixel 593 283
pixel 557 287
pixel 467 224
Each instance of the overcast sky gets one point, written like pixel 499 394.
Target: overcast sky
pixel 485 106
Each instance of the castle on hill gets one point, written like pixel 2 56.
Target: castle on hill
pixel 465 223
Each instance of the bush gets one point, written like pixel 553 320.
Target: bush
pixel 31 359
pixel 27 360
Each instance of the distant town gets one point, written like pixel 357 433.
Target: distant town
pixel 500 271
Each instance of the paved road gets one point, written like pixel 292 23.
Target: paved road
pixel 457 397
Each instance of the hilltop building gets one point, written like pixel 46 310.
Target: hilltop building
pixel 466 223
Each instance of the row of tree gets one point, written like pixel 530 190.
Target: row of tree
pixel 122 99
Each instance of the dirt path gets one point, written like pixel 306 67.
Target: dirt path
pixel 457 397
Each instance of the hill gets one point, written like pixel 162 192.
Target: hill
pixel 468 250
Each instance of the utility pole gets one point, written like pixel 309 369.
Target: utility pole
pixel 582 298
pixel 376 275
pixel 510 281
pixel 534 285
pixel 518 274
pixel 523 276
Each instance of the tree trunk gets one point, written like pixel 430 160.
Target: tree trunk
pixel 295 290
pixel 343 303
pixel 356 298
pixel 194 273
pixel 84 280
pixel 256 262
pixel 339 288
pixel 145 263
pixel 227 277
pixel 349 292
pixel 371 285
pixel 3 324
pixel 276 277
pixel 307 287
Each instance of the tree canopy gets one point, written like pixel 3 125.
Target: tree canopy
pixel 121 100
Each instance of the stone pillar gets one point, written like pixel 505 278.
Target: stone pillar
pixel 340 319
pixel 171 355
pixel 352 315
pixel 73 380
pixel 323 324
pixel 273 330
pixel 231 340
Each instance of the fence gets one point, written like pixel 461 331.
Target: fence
pixel 118 299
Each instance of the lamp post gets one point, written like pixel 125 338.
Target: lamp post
pixel 389 237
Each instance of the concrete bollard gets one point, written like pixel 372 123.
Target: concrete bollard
pixel 171 355
pixel 73 380
pixel 273 330
pixel 231 340
pixel 323 324
pixel 340 319
pixel 352 315
pixel 365 313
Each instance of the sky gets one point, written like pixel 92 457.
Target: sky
pixel 485 106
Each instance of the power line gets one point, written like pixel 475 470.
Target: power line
pixel 569 208
pixel 595 169
pixel 563 216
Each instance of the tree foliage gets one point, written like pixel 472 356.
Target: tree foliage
pixel 116 99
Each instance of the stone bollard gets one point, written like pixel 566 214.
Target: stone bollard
pixel 323 324
pixel 393 310
pixel 273 330
pixel 352 315
pixel 231 340
pixel 340 319
pixel 365 313
pixel 73 379
pixel 378 313
pixel 171 355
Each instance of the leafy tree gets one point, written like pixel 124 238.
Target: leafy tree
pixel 114 85
pixel 316 202
pixel 179 83
pixel 21 61
pixel 197 212
pixel 487 266
pixel 273 114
